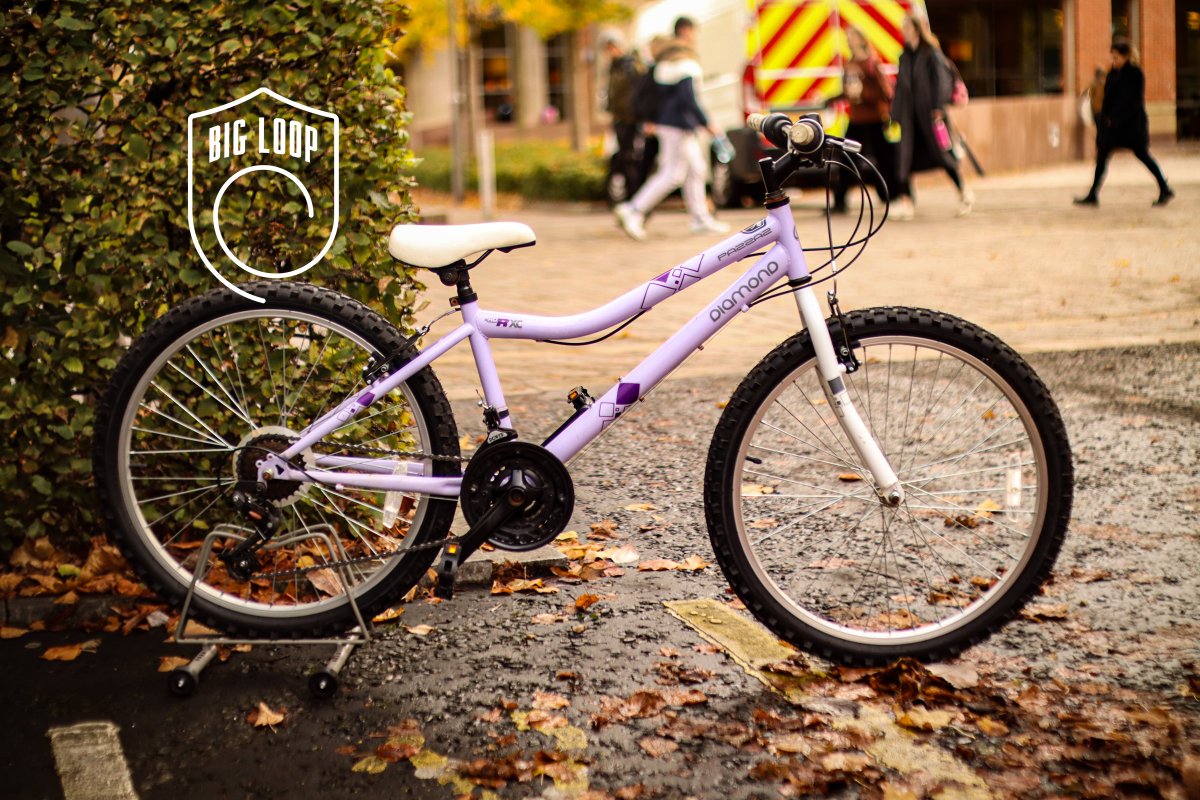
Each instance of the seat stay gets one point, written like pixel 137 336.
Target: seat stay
pixel 378 388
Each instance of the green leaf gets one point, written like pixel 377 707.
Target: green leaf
pixel 73 24
pixel 40 484
pixel 138 147
pixel 73 364
pixel 20 248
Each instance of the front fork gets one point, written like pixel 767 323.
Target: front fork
pixel 831 370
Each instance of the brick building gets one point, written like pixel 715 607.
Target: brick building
pixel 1026 63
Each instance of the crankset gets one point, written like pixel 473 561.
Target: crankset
pixel 516 495
pixel 545 480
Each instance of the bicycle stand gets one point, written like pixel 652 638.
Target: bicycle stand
pixel 323 683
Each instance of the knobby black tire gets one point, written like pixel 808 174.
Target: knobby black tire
pixel 322 310
pixel 760 414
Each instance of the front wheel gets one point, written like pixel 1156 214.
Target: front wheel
pixel 802 535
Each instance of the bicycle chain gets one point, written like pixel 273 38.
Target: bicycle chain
pixel 437 543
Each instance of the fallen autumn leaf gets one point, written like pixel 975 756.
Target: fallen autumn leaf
pixel 264 717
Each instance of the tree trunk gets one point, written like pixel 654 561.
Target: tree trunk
pixel 578 98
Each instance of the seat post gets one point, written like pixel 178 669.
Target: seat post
pixel 465 293
pixel 459 276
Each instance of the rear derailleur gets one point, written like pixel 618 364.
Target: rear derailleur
pixel 242 561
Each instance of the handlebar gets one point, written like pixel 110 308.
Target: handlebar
pixel 805 136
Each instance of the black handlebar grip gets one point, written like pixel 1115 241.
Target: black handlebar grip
pixel 774 127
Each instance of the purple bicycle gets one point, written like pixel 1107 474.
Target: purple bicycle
pixel 886 482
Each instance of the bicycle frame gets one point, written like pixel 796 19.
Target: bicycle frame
pixel 784 260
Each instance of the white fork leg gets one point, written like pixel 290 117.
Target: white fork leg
pixel 890 490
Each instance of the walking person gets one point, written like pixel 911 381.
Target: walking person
pixel 869 94
pixel 923 89
pixel 1123 123
pixel 681 160
pixel 624 69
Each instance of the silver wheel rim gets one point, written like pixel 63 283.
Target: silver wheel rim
pixel 821 571
pixel 183 429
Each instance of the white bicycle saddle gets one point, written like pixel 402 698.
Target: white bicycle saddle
pixel 434 246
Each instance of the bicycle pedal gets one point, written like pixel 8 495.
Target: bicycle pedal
pixel 447 571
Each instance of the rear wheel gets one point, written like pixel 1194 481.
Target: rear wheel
pixel 979 447
pixel 214 384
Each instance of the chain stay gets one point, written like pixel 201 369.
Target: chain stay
pixel 438 543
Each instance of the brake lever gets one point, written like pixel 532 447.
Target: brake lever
pixel 835 143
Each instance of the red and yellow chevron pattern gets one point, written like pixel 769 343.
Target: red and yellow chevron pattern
pixel 796 47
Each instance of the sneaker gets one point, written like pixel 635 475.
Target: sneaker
pixel 709 225
pixel 903 210
pixel 1164 196
pixel 966 203
pixel 1087 200
pixel 631 221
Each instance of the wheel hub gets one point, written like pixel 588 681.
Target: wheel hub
pixel 253 449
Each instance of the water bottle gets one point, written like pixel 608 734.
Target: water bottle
pixel 723 149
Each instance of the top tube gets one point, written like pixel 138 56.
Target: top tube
pixel 509 325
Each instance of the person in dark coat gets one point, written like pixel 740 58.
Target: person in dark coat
pixel 624 69
pixel 923 90
pixel 1123 123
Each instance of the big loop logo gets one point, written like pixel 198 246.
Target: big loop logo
pixel 280 217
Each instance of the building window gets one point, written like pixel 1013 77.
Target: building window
pixel 497 70
pixel 557 50
pixel 1121 19
pixel 1003 47
pixel 1187 67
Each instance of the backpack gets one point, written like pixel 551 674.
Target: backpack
pixel 645 96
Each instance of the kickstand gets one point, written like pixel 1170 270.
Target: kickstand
pixel 323 682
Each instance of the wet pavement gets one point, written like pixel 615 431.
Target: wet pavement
pixel 1133 420
pixel 1056 280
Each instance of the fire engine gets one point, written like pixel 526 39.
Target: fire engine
pixel 790 60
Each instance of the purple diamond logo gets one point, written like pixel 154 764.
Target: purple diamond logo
pixel 627 393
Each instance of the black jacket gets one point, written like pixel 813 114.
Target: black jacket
pixel 677 77
pixel 1123 121
pixel 920 90
pixel 622 74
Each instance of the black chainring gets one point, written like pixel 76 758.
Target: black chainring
pixel 552 494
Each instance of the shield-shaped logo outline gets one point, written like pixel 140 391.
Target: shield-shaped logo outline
pixel 192 118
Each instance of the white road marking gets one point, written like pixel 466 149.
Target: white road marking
pixel 90 762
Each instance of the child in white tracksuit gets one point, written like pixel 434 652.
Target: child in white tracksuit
pixel 681 159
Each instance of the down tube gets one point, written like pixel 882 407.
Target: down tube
pixel 659 364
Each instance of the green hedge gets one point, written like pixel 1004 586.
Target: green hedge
pixel 534 170
pixel 94 240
